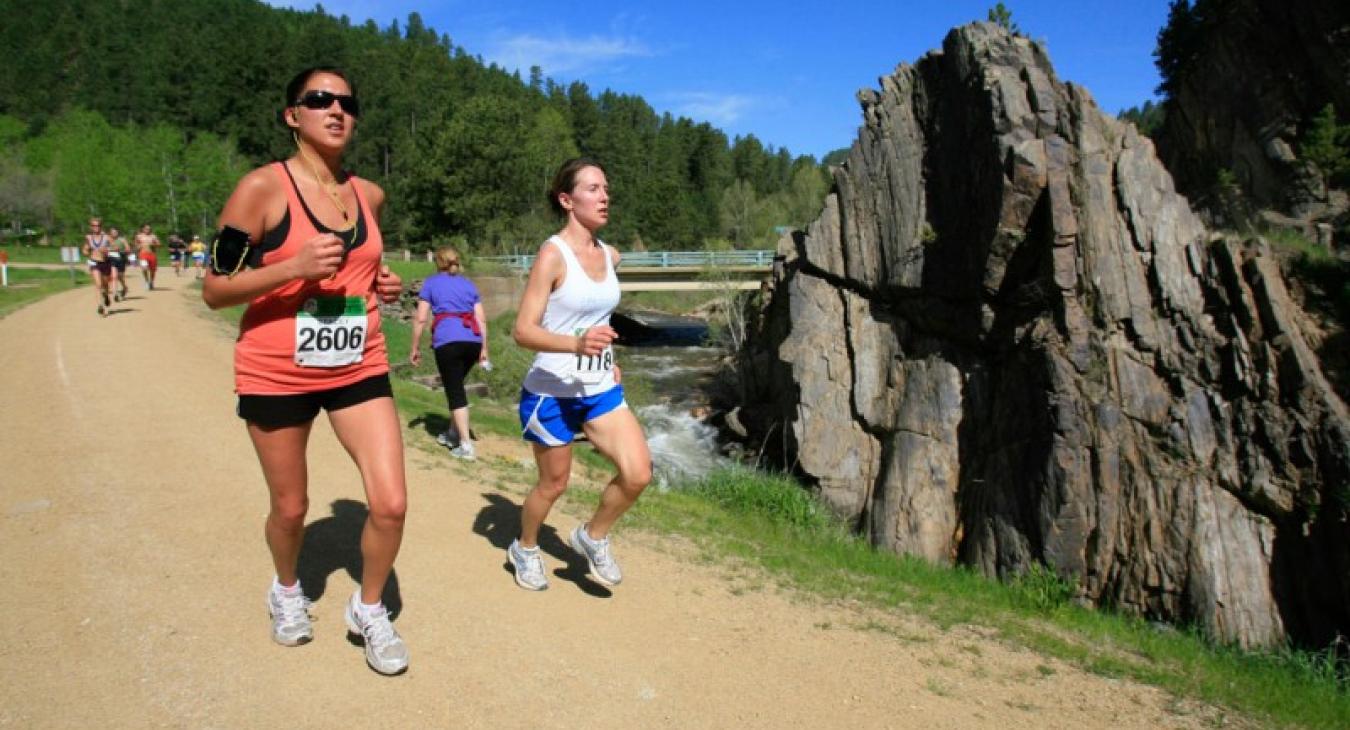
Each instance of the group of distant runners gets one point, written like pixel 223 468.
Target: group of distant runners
pixel 109 253
pixel 299 243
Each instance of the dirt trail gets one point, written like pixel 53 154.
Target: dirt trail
pixel 131 510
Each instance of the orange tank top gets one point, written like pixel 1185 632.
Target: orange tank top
pixel 306 336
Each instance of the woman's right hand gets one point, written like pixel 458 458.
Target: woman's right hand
pixel 415 357
pixel 320 257
pixel 595 339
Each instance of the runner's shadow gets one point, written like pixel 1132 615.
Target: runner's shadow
pixel 334 543
pixel 499 522
pixel 433 423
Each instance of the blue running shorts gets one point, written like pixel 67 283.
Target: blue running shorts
pixel 552 421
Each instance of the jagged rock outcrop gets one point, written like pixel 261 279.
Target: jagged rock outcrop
pixel 1007 339
pixel 1250 76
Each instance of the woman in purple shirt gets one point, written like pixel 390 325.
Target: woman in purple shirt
pixel 458 337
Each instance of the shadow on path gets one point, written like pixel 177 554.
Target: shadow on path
pixel 334 543
pixel 499 522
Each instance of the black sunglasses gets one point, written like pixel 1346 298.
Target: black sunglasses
pixel 320 100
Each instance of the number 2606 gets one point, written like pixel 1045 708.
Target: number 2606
pixel 324 339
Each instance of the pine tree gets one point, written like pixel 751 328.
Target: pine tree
pixel 1325 145
pixel 1001 16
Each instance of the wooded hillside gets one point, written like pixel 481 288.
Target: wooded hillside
pixel 150 110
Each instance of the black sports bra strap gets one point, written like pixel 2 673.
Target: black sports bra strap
pixel 318 226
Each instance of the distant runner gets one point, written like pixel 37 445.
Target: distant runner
pixel 198 251
pixel 177 249
pixel 117 255
pixel 146 241
pixel 96 247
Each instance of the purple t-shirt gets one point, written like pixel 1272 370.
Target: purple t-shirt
pixel 450 294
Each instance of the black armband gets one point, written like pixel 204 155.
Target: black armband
pixel 229 251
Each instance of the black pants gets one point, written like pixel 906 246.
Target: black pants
pixel 454 360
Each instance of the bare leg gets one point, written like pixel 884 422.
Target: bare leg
pixel 99 286
pixel 461 418
pixel 281 451
pixel 618 436
pixel 555 466
pixel 370 432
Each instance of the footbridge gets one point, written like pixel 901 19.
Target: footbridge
pixel 676 270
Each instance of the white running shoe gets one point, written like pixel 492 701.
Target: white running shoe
pixel 464 451
pixel 291 624
pixel 529 567
pixel 604 569
pixel 385 651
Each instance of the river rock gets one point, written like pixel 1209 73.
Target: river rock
pixel 1007 340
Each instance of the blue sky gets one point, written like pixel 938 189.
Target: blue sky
pixel 786 71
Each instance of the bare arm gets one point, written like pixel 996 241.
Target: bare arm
pixel 248 210
pixel 419 321
pixel 479 315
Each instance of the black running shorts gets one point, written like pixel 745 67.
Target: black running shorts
pixel 290 410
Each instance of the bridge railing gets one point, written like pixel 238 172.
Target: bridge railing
pixel 661 259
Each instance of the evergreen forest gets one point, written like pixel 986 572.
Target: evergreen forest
pixel 149 111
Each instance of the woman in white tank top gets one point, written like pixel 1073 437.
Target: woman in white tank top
pixel 574 384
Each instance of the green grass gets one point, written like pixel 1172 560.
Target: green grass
pixel 1288 241
pixel 33 254
pixel 29 285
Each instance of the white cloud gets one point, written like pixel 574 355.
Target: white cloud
pixel 720 109
pixel 561 55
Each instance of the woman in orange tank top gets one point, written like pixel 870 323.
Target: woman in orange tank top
pixel 300 244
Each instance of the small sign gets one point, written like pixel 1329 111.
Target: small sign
pixel 70 255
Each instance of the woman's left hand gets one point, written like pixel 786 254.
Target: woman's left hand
pixel 618 375
pixel 388 285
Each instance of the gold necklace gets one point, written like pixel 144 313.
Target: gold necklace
pixel 329 186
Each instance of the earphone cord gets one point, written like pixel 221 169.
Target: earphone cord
pixel 329 187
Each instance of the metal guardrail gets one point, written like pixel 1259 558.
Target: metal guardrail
pixel 661 259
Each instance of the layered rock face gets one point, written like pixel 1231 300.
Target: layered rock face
pixel 1008 340
pixel 1260 69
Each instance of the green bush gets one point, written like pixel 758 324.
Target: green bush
pixel 1042 589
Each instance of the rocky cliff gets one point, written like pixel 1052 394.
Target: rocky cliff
pixel 1250 75
pixel 1008 340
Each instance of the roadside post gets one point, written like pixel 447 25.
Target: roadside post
pixel 70 255
pixel 4 268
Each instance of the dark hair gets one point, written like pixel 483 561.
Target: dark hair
pixel 297 84
pixel 566 179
